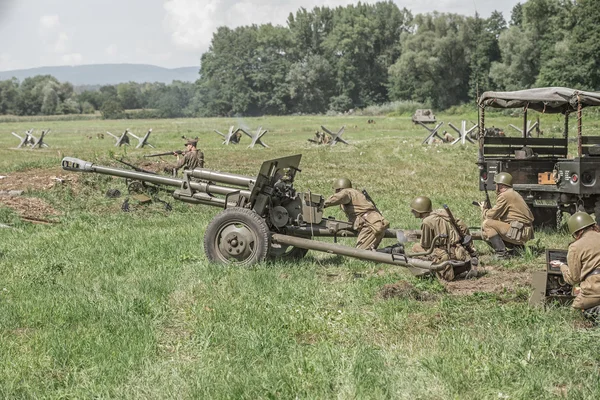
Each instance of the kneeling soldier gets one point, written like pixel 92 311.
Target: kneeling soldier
pixel 583 264
pixel 450 244
pixel 510 220
pixel 362 213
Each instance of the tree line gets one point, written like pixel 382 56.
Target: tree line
pixel 336 59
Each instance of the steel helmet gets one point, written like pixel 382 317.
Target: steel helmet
pixel 578 221
pixel 421 204
pixel 342 183
pixel 503 178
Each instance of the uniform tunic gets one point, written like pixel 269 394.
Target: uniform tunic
pixel 191 160
pixel 363 216
pixel 450 248
pixel 509 207
pixel 584 257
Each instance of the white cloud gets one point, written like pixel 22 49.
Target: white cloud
pixel 62 43
pixel 72 59
pixel 49 22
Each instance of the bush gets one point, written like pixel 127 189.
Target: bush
pixel 112 109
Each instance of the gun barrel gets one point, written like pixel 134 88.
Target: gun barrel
pixel 77 165
pixel 223 177
pixel 412 263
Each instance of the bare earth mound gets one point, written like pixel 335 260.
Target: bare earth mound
pixel 36 179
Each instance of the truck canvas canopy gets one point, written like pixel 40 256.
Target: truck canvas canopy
pixel 545 100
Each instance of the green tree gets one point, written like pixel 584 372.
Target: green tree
pixel 112 109
pixel 310 85
pixel 9 94
pixel 50 102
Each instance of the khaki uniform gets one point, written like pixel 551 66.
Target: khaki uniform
pixel 191 160
pixel 583 258
pixel 363 216
pixel 450 248
pixel 509 207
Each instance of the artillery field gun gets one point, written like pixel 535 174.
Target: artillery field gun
pixel 264 217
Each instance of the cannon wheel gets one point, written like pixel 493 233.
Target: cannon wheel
pixel 285 252
pixel 237 236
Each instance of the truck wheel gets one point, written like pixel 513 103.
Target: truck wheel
pixel 544 217
pixel 285 253
pixel 237 236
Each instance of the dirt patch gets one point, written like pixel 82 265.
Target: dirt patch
pixel 404 290
pixel 158 167
pixel 494 280
pixel 37 179
pixel 29 207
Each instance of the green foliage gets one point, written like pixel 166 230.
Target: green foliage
pixel 112 109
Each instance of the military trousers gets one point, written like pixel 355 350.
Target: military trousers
pixel 371 229
pixel 493 227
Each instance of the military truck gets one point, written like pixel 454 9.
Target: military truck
pixel 424 116
pixel 549 180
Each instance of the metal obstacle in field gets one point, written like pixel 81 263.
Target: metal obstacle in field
pixel 463 132
pixel 232 136
pixel 30 140
pixel 335 137
pixel 433 132
pixel 143 141
pixel 26 140
pixel 529 128
pixel 256 138
pixel 121 140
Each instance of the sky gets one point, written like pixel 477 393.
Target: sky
pixel 167 33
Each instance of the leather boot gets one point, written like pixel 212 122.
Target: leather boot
pixel 499 246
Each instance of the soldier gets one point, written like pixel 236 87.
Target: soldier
pixel 509 221
pixel 237 136
pixel 583 264
pixel 362 213
pixel 450 247
pixel 192 158
pixel 447 137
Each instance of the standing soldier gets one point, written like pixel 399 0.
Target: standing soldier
pixel 450 246
pixel 191 159
pixel 362 213
pixel 509 221
pixel 583 264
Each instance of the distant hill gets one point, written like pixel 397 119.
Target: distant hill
pixel 107 74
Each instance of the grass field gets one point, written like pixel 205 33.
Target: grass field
pixel 106 304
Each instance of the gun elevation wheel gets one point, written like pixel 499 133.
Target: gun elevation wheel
pixel 237 236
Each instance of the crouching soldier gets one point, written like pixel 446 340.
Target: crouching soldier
pixel 583 264
pixel 509 221
pixel 453 240
pixel 361 213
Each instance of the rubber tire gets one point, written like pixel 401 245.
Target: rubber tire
pixel 252 221
pixel 296 253
pixel 544 217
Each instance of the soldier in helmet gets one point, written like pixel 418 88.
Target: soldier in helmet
pixel 583 264
pixel 509 221
pixel 449 247
pixel 362 213
pixel 191 159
